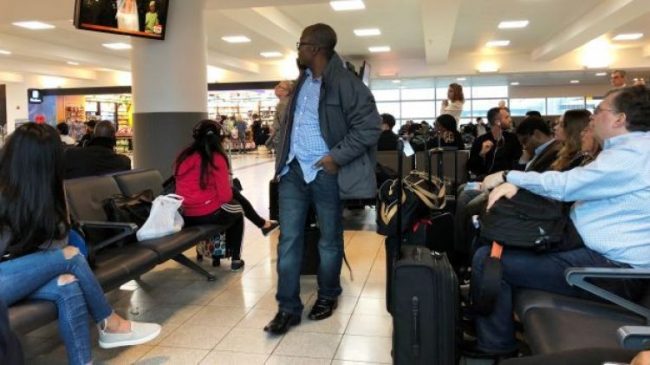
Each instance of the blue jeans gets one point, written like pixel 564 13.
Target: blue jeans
pixel 35 276
pixel 541 271
pixel 295 198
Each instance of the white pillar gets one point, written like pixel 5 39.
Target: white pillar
pixel 169 86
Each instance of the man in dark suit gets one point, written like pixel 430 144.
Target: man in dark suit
pixel 98 157
pixel 540 148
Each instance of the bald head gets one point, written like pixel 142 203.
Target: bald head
pixel 105 129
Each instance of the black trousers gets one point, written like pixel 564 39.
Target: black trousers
pixel 231 216
pixel 249 211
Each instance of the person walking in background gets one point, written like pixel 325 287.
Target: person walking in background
pixel 327 153
pixel 241 126
pixel 283 91
pixel 453 105
pixel 64 132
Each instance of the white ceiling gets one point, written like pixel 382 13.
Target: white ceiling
pixel 429 38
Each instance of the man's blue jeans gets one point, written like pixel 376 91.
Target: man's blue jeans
pixel 35 276
pixel 542 271
pixel 295 198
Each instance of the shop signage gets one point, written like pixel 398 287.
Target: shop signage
pixel 35 96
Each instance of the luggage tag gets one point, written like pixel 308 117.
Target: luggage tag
pixel 408 149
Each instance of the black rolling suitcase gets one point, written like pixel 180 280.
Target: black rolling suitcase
pixel 423 296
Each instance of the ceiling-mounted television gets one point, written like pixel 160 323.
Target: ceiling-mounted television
pixel 139 18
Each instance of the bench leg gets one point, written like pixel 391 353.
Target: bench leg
pixel 183 260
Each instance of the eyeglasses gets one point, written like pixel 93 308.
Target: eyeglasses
pixel 300 44
pixel 598 110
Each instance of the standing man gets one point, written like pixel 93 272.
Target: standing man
pixel 327 153
pixel 617 79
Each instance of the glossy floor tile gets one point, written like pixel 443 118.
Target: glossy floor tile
pixel 221 322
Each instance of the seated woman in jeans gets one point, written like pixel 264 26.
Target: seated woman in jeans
pixel 36 262
pixel 202 176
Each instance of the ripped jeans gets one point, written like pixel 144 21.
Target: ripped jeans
pixel 36 276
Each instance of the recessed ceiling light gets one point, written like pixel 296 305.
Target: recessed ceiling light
pixel 72 63
pixel 513 24
pixel 34 25
pixel 379 49
pixel 117 46
pixel 461 79
pixel 498 43
pixel 487 66
pixel 271 54
pixel 236 39
pixel 345 5
pixel 397 81
pixel 628 36
pixel 5 52
pixel 575 81
pixel 515 83
pixel 600 74
pixel 369 32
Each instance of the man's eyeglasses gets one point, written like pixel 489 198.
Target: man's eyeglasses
pixel 300 44
pixel 598 110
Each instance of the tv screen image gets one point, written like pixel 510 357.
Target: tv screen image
pixel 140 18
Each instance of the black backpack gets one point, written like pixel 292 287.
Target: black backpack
pixel 525 221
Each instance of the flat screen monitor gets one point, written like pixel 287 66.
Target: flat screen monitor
pixel 139 18
pixel 364 73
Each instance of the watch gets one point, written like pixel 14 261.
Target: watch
pixel 504 176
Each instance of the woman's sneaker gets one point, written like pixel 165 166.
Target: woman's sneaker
pixel 236 265
pixel 141 332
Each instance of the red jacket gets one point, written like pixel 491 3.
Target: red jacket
pixel 217 192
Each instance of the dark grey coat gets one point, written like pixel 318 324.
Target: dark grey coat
pixel 350 126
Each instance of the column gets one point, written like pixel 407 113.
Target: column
pixel 169 87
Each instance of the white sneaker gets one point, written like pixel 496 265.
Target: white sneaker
pixel 140 333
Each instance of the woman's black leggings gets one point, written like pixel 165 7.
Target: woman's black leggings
pixel 249 211
pixel 230 215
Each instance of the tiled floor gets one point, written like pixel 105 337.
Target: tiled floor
pixel 221 322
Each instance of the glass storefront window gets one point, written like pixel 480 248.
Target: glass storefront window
pixel 519 107
pixel 418 109
pixel 386 95
pixel 592 103
pixel 557 106
pixel 390 108
pixel 480 107
pixel 488 92
pixel 418 94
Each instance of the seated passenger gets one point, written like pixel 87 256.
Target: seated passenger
pixel 446 133
pixel 577 137
pixel 98 157
pixel 387 138
pixel 202 176
pixel 611 215
pixel 540 148
pixel 497 150
pixel 36 261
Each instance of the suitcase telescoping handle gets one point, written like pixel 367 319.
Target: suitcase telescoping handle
pixel 400 166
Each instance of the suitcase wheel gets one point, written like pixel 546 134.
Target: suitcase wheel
pixel 216 261
pixel 199 257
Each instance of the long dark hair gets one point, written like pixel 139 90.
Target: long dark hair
pixel 574 122
pixel 32 200
pixel 207 141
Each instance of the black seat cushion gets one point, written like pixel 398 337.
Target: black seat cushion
pixel 550 330
pixel 30 315
pixel 169 246
pixel 136 181
pixel 526 299
pixel 116 265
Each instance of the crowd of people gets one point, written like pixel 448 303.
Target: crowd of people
pixel 324 155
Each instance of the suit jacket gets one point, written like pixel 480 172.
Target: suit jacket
pixel 545 159
pixel 387 141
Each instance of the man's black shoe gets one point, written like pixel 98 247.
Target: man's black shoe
pixel 322 309
pixel 471 350
pixel 282 322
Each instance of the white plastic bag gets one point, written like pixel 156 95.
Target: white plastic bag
pixel 164 218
